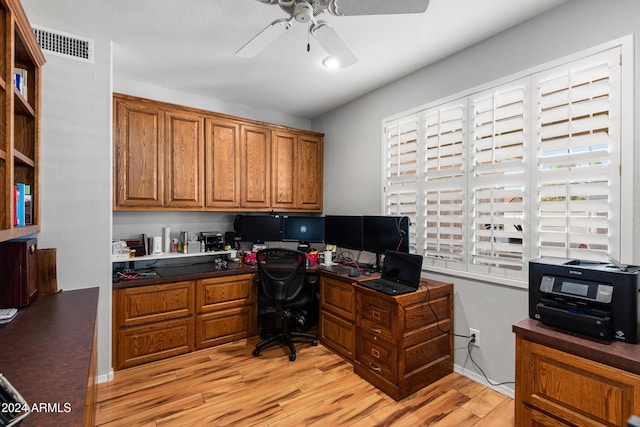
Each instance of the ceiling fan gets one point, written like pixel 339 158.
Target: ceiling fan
pixel 306 11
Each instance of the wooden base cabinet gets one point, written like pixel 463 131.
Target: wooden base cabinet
pixel 226 310
pixel 571 386
pixel 403 343
pixel 337 316
pixel 154 322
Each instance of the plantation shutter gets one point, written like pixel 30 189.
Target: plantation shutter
pixel 442 223
pixel 401 171
pixel 498 179
pixel 578 159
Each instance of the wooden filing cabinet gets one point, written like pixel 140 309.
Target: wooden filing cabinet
pixel 226 309
pixel 338 315
pixel 563 380
pixel 403 343
pixel 152 322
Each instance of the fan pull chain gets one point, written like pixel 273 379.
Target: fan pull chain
pixel 308 39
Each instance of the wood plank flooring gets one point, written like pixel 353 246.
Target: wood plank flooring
pixel 227 386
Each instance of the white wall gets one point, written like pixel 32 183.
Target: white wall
pixel 353 138
pixel 76 178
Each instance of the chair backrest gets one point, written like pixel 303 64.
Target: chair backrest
pixel 281 273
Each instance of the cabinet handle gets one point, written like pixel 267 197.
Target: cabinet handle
pixel 375 368
pixel 377 331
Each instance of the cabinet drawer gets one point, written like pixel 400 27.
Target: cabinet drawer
pixel 146 304
pixel 575 389
pixel 225 326
pixel 147 343
pixel 377 315
pixel 378 354
pixel 222 293
pixel 338 297
pixel 338 334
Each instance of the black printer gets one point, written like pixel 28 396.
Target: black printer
pixel 591 298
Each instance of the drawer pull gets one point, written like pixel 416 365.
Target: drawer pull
pixel 375 315
pixel 377 331
pixel 375 353
pixel 375 368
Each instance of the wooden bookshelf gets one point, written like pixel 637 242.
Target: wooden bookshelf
pixel 20 117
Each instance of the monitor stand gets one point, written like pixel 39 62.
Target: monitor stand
pixel 304 247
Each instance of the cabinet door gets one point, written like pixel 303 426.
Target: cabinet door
pixel 285 185
pixel 255 148
pixel 574 389
pixel 139 155
pixel 310 155
pixel 222 163
pixel 185 159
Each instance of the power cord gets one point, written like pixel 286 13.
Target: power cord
pixel 469 346
pixel 472 339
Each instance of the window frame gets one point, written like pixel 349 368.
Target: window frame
pixel 623 249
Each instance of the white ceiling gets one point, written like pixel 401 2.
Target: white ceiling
pixel 189 45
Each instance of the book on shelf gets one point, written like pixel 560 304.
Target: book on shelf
pixel 23 205
pixel 28 206
pixel 20 80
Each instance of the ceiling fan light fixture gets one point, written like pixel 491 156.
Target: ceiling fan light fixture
pixel 331 62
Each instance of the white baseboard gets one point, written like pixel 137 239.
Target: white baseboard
pixel 106 377
pixel 482 380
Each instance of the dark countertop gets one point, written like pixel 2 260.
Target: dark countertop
pixel 168 274
pixel 46 355
pixel 613 353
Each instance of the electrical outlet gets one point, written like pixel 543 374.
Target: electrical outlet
pixel 477 336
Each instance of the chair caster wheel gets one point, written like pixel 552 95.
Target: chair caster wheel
pixel 314 343
pixel 256 352
pixel 292 357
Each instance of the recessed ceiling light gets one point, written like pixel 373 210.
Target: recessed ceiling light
pixel 330 62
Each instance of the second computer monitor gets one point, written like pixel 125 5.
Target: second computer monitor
pixel 344 231
pixel 385 233
pixel 306 229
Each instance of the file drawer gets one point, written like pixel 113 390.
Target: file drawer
pixel 377 316
pixel 377 354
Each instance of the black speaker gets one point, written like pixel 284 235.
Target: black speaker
pixel 230 239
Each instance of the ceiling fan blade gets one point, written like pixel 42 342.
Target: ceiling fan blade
pixel 333 44
pixel 264 38
pixel 376 7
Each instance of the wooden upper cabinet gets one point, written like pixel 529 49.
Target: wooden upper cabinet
pixel 284 182
pixel 139 154
pixel 310 167
pixel 184 154
pixel 169 157
pixel 296 178
pixel 222 163
pixel 255 160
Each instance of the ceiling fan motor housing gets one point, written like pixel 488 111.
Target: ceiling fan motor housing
pixel 303 11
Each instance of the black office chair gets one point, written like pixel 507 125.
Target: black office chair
pixel 282 292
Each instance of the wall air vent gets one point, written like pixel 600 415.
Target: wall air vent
pixel 63 44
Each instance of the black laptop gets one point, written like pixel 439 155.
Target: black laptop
pixel 400 274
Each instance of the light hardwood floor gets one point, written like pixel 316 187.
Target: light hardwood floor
pixel 227 386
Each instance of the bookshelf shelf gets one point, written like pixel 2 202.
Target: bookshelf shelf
pixel 19 118
pixel 22 105
pixel 23 159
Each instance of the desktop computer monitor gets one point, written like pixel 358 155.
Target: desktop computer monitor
pixel 344 231
pixel 303 229
pixel 258 228
pixel 385 233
